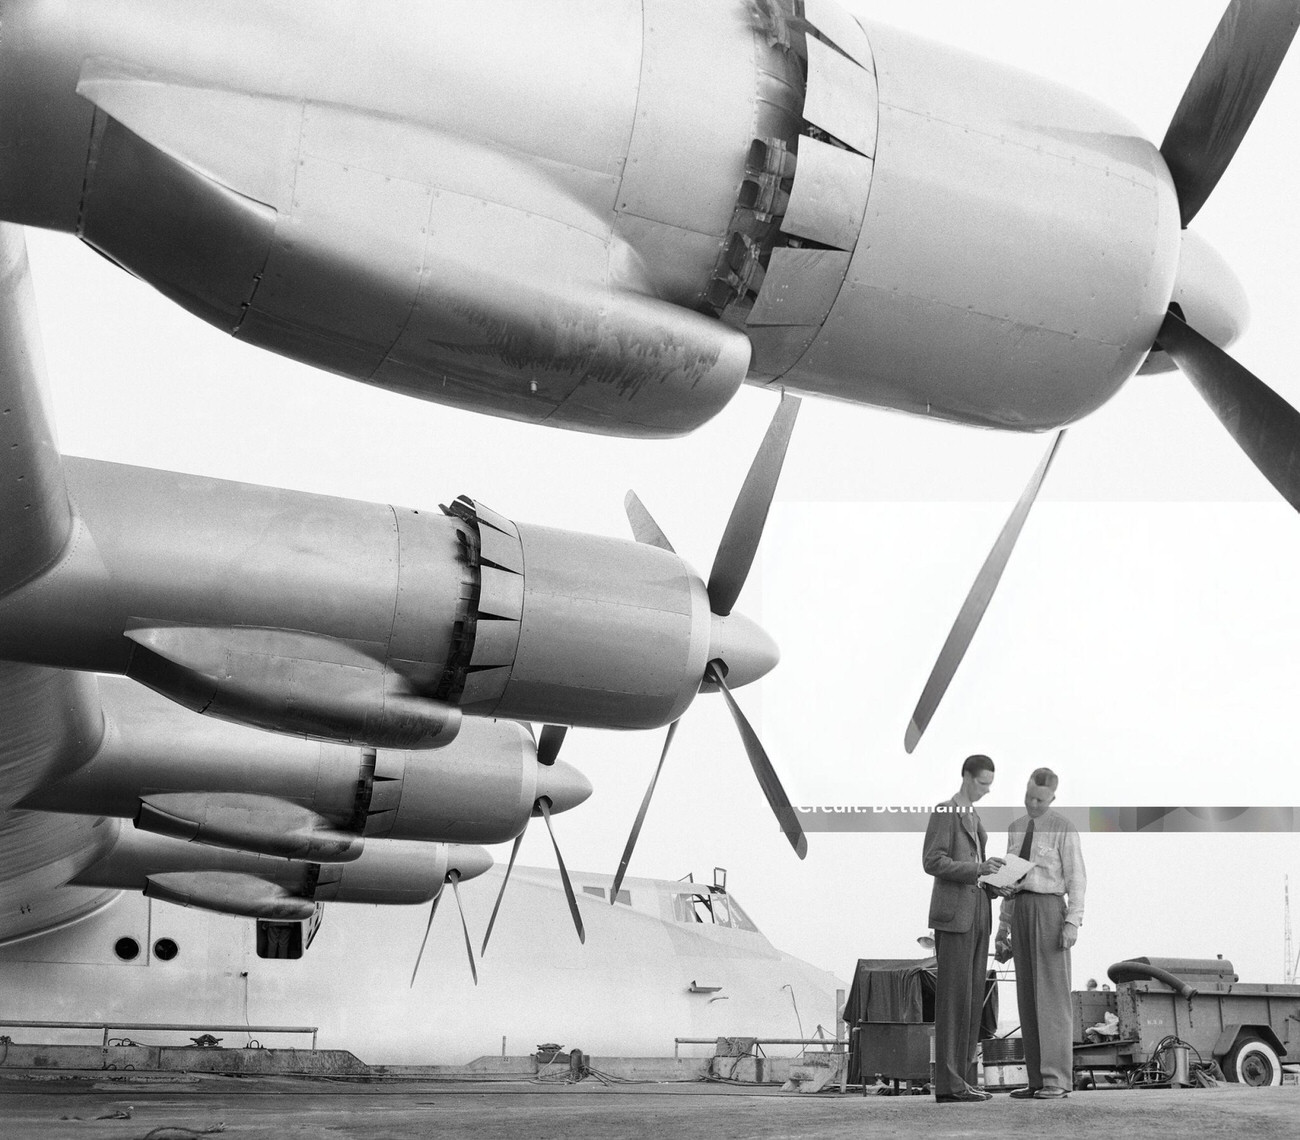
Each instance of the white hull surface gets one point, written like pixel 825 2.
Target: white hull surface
pixel 626 992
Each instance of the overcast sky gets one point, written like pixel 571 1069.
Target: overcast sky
pixel 1142 642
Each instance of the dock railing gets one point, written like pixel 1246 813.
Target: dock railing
pixel 828 1044
pixel 161 1026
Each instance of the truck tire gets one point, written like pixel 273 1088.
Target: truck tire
pixel 1253 1061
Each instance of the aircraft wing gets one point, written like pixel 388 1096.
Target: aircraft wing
pixel 50 724
pixel 35 517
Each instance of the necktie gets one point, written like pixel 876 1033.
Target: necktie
pixel 1029 840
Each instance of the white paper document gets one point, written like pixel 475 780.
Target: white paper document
pixel 1011 873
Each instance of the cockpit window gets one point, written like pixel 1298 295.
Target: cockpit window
pixel 623 896
pixel 708 904
pixel 739 919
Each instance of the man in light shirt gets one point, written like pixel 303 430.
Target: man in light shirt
pixel 1039 923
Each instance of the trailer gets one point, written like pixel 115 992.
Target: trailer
pixel 1171 1018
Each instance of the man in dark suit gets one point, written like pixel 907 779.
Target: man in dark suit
pixel 960 916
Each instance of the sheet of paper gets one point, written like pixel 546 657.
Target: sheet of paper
pixel 1011 873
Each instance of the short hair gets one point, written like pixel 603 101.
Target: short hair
pixel 1044 778
pixel 976 764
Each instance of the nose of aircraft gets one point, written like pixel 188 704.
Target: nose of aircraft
pixel 744 647
pixel 469 859
pixel 563 785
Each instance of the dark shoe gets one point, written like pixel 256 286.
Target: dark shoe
pixel 979 1092
pixel 1023 1094
pixel 1050 1092
pixel 970 1097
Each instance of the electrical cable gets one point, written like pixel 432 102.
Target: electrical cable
pixel 1153 1074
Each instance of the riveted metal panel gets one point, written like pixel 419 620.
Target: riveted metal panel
pixel 488 517
pixel 523 316
pixel 501 593
pixel 385 795
pixel 483 689
pixel 246 142
pixel 346 222
pixel 195 240
pixel 800 287
pixel 255 557
pixel 379 823
pixel 390 763
pixel 676 260
pixel 841 98
pixel 829 195
pixel 587 599
pixel 495 641
pixel 431 577
pixel 841 29
pixel 778 348
pixel 694 116
pixel 500 549
pixel 1029 333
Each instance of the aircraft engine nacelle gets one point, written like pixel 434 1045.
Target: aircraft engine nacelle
pixel 248 823
pixel 235 600
pixel 227 785
pixel 950 237
pixel 879 218
pixel 389 872
pixel 481 253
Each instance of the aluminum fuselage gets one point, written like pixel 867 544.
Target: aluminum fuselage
pixel 626 992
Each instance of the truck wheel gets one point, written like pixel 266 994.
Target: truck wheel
pixel 1253 1061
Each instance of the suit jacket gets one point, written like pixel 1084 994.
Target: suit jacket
pixel 953 852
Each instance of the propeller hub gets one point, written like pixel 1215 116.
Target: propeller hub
pixel 468 860
pixel 744 647
pixel 1210 296
pixel 563 785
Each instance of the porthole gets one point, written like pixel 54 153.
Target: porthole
pixel 165 949
pixel 126 949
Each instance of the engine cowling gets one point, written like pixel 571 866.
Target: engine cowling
pixel 838 192
pixel 225 785
pixel 374 212
pixel 960 239
pixel 390 872
pixel 232 599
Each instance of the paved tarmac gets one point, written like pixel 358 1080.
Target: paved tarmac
pixel 83 1107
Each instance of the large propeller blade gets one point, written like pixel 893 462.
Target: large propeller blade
pixel 496 906
pixel 560 790
pixel 564 871
pixel 767 777
pixel 543 807
pixel 977 601
pixel 433 909
pixel 640 815
pixel 745 526
pixel 1225 92
pixel 731 566
pixel 644 528
pixel 548 746
pixel 1264 425
pixel 453 877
